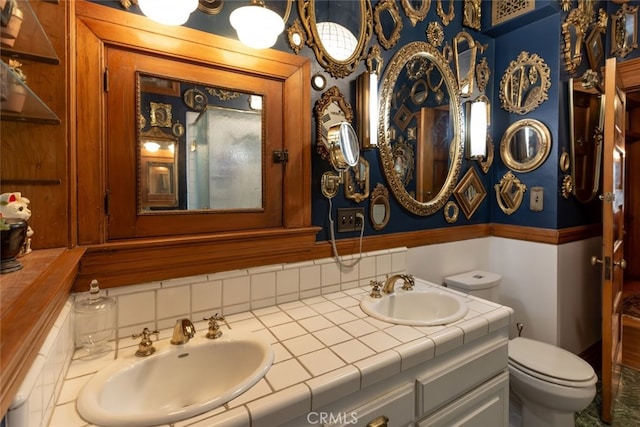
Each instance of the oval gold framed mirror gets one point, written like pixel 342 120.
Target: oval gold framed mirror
pixel 380 210
pixel 433 128
pixel 525 145
pixel 325 22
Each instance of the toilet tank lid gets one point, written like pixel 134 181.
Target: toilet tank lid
pixel 473 280
pixel 549 360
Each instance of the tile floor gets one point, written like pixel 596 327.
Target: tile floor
pixel 626 409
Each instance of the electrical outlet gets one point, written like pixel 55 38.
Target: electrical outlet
pixel 348 221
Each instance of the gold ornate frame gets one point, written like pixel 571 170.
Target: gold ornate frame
pixel 296 37
pixel 533 70
pixel 574 29
pixel 595 49
pixel 470 192
pixel 446 17
pixel 451 212
pixel 486 162
pixel 395 67
pixel 465 82
pixel 544 138
pixel 509 193
pixel 379 195
pixel 337 68
pixel 332 95
pixel 357 178
pixel 624 41
pixel 416 15
pixel 391 7
pixel 472 11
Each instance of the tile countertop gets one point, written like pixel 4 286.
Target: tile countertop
pixel 325 347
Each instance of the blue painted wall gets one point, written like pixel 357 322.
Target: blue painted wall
pixel 537 32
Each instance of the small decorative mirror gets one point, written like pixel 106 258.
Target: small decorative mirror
pixel 330 109
pixel 470 192
pixel 525 145
pixel 356 181
pixel 586 116
pixel 416 14
pixel 338 32
pixel 379 211
pixel 464 53
pixel 624 34
pixel 509 193
pixel 574 29
pixel 387 23
pixel 428 123
pixel 451 212
pixel 344 152
pixel 295 36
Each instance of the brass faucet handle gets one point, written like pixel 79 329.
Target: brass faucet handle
pixel 145 348
pixel 408 282
pixel 214 328
pixel 375 289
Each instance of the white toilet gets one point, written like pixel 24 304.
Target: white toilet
pixel 547 383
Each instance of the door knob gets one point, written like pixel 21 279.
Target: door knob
pixel 622 263
pixel 595 260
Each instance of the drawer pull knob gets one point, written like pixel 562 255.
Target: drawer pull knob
pixel 380 421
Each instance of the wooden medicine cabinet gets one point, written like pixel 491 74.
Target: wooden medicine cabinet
pixel 142 85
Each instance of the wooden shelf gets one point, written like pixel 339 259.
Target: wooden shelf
pixel 31 301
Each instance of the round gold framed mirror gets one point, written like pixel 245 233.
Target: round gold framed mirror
pixel 433 128
pixel 525 145
pixel 322 24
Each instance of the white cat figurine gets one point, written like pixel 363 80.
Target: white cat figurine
pixel 14 206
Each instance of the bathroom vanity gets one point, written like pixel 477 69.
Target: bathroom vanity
pixel 335 365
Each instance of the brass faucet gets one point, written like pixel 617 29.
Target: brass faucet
pixel 183 331
pixel 407 285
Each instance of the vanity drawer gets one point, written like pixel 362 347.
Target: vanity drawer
pixel 487 405
pixel 397 406
pixel 459 374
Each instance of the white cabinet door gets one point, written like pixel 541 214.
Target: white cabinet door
pixel 398 406
pixel 487 405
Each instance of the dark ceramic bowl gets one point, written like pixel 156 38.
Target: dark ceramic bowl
pixel 12 241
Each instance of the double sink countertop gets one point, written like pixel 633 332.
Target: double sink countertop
pixel 325 348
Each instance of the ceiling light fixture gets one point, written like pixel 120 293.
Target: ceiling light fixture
pixel 168 12
pixel 257 26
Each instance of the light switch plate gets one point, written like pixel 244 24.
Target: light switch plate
pixel 535 202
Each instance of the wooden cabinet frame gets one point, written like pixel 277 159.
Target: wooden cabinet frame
pixel 136 260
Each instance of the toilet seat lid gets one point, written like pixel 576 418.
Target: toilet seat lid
pixel 549 361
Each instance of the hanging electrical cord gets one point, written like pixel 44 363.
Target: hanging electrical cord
pixel 333 239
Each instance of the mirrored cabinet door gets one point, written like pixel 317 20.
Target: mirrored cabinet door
pixel 191 148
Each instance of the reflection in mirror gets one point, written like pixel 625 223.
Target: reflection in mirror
pixel 338 32
pixel 158 171
pixel 420 96
pixel 586 115
pixel 215 165
pixel 525 145
pixel 221 169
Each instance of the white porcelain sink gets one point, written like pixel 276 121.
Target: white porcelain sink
pixel 423 306
pixel 177 382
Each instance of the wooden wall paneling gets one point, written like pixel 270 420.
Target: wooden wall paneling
pixel 34 157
